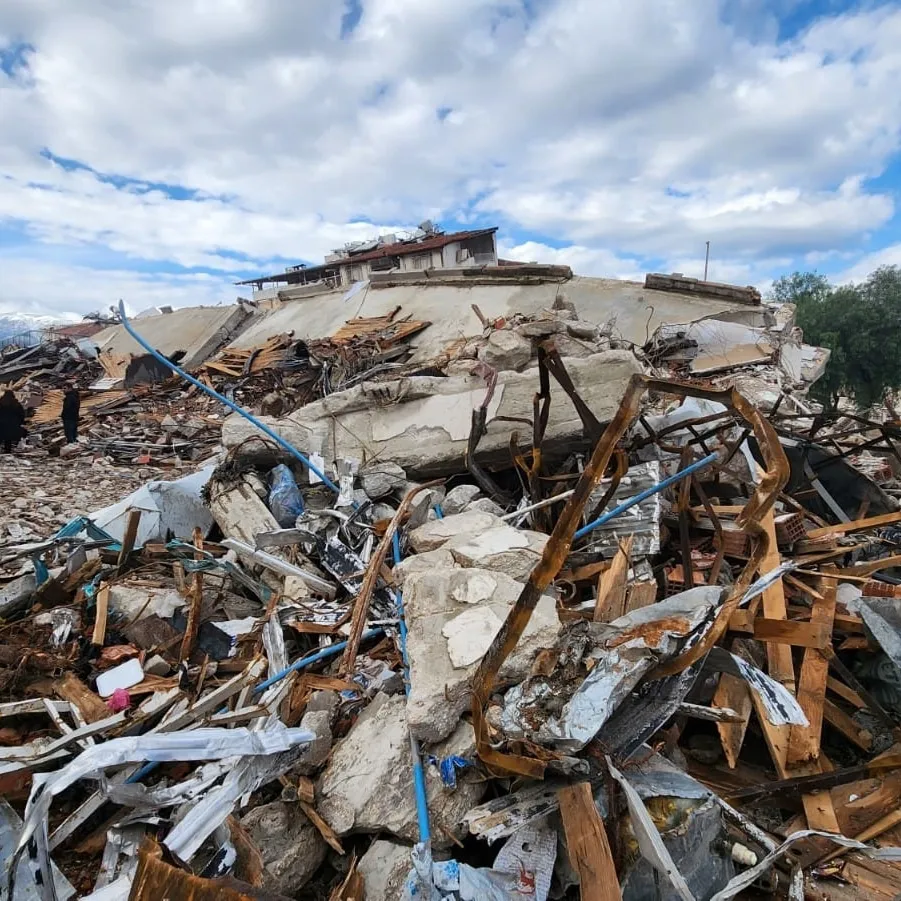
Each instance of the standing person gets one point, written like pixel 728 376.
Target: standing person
pixel 12 421
pixel 71 412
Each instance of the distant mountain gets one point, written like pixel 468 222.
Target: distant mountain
pixel 12 325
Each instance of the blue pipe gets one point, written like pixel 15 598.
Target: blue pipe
pixel 324 654
pixel 644 495
pixel 422 801
pixel 224 400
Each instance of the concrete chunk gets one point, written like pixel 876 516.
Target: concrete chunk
pixel 438 532
pixel 366 786
pixel 384 868
pixel 382 479
pixel 459 498
pixel 291 846
pixel 506 350
pixel 422 423
pixel 444 648
pixel 504 548
pixel 439 559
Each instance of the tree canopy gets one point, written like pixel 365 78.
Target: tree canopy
pixel 860 323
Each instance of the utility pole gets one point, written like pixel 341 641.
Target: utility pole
pixel 706 261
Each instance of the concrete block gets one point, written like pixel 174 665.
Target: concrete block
pixel 384 868
pixel 459 498
pixel 486 505
pixel 291 846
pixel 506 350
pixel 452 617
pixel 502 547
pixel 439 559
pixel 437 533
pixel 381 479
pixel 367 785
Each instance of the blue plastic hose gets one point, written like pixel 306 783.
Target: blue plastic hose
pixel 228 403
pixel 644 495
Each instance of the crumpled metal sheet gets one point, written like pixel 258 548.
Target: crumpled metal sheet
pixel 780 705
pixel 650 843
pixel 883 618
pixel 624 651
pixel 10 826
pixel 522 869
pixel 195 745
pixel 772 479
pixel 641 521
pixel 747 878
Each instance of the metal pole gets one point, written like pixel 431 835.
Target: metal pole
pixel 706 260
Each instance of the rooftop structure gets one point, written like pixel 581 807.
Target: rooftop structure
pixel 427 248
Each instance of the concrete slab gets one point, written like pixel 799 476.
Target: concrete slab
pixel 638 311
pixel 366 786
pixel 423 423
pixel 199 331
pixel 453 616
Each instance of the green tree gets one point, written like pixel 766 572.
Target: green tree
pixel 859 323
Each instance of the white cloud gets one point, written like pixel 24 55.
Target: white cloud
pixel 67 290
pixel 582 260
pixel 630 130
pixel 887 256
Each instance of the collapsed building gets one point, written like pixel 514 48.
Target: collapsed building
pixel 486 581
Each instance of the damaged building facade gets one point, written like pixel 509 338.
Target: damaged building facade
pixel 467 581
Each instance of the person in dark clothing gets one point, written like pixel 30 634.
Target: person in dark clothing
pixel 12 421
pixel 71 412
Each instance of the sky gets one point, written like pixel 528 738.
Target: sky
pixel 160 150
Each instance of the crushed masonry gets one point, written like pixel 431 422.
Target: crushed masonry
pixel 559 601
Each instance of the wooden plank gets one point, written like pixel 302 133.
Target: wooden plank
pixel 790 632
pixel 611 600
pixel 838 719
pixel 128 540
pixel 193 623
pixel 101 615
pixel 640 594
pixel 734 694
pixel 587 845
pixel 819 812
pixel 710 714
pixel 857 525
pixel 776 737
pixel 326 831
pixel 779 656
pixel 845 693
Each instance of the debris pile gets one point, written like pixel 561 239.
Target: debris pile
pixel 526 621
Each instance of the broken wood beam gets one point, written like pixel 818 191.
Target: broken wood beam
pixel 857 525
pixel 193 622
pixel 101 615
pixel 804 743
pixel 587 844
pixel 779 656
pixel 790 632
pixel 128 540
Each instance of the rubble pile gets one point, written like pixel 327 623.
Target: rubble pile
pixel 134 411
pixel 526 621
